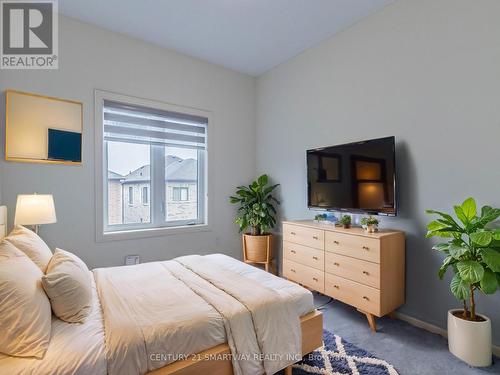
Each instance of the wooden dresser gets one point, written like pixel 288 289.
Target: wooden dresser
pixel 364 270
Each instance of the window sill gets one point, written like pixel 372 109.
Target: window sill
pixel 151 232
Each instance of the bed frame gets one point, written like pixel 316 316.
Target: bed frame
pixel 217 361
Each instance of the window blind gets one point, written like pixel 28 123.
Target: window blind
pixel 136 124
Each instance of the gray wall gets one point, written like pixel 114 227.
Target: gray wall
pixel 425 71
pixel 93 58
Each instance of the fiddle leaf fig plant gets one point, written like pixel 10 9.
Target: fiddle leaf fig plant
pixel 472 249
pixel 257 208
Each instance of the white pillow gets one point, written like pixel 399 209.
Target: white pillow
pixel 68 284
pixel 31 244
pixel 25 316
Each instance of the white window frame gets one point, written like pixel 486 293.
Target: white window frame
pixel 126 231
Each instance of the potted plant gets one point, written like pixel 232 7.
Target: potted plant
pixel 256 212
pixel 320 217
pixel 345 221
pixel 472 250
pixel 370 224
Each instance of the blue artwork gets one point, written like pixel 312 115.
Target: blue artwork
pixel 64 145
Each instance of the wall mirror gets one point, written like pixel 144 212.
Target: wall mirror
pixel 42 129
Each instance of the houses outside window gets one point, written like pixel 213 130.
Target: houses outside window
pixel 155 161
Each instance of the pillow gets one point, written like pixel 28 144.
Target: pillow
pixel 68 284
pixel 31 244
pixel 25 316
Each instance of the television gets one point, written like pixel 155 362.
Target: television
pixel 357 177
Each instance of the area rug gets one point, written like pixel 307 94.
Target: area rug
pixel 338 356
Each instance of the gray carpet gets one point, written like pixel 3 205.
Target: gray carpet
pixel 411 350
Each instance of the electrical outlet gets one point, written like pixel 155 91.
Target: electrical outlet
pixel 131 260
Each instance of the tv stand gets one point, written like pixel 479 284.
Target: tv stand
pixel 364 270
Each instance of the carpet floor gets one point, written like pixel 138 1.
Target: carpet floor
pixel 411 350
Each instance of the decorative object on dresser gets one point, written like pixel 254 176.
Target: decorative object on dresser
pixel 472 250
pixel 35 209
pixel 364 270
pixel 345 221
pixel 370 224
pixel 257 212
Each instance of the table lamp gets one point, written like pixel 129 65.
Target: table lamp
pixel 35 209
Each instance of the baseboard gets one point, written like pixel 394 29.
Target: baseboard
pixel 432 328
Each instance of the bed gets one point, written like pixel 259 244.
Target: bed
pixel 190 315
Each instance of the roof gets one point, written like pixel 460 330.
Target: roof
pixel 176 169
pixel 114 176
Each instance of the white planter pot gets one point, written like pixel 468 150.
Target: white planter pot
pixel 470 341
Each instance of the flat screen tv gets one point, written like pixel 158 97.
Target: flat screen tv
pixel 356 177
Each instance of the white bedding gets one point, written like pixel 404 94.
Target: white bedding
pixel 74 349
pixel 170 317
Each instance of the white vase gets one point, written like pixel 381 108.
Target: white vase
pixel 470 341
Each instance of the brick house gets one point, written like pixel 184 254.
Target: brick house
pixel 129 196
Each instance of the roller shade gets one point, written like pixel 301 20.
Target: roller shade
pixel 136 124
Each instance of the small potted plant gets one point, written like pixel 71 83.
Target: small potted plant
pixel 345 221
pixel 370 224
pixel 320 217
pixel 256 212
pixel 472 250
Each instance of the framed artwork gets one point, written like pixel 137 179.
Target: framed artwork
pixel 42 129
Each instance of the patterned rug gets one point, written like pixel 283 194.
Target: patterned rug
pixel 338 356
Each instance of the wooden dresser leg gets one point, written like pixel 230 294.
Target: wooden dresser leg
pixel 371 322
pixel 288 370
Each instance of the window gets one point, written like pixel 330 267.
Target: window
pixel 130 195
pixel 180 193
pixel 154 166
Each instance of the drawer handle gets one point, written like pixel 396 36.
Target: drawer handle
pixel 366 298
pixel 315 238
pixel 293 270
pixel 336 264
pixel 336 287
pixel 315 279
pixel 293 251
pixel 293 233
pixel 315 258
pixel 366 248
pixel 336 242
pixel 366 273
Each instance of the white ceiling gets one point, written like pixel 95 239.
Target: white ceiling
pixel 249 36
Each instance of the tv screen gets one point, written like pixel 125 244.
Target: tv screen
pixel 354 177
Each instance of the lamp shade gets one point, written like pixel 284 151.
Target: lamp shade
pixel 35 209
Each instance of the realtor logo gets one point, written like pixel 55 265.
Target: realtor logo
pixel 29 34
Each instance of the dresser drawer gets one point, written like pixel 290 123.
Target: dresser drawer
pixel 355 294
pixel 354 246
pixel 304 255
pixel 310 277
pixel 364 272
pixel 304 236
